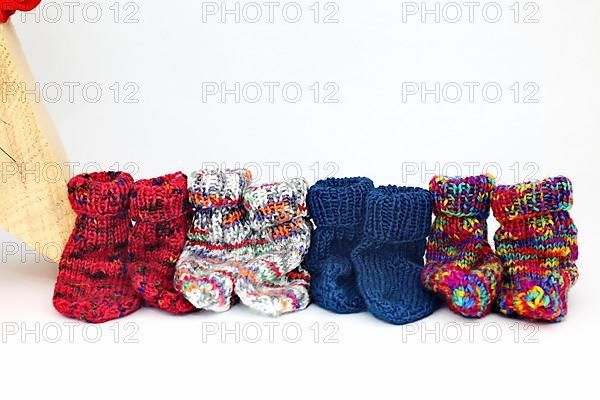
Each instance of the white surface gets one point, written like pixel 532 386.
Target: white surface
pixel 170 52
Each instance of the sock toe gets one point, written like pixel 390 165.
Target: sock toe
pixel 274 300
pixel 534 296
pixel 174 303
pixel 150 280
pixel 468 292
pixel 260 286
pixel 99 309
pixel 334 287
pixel 396 295
pixel 208 289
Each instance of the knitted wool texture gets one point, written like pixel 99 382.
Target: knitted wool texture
pixel 537 243
pixel 461 265
pixel 389 259
pixel 160 209
pixel 337 206
pixel 92 283
pixel 273 282
pixel 218 239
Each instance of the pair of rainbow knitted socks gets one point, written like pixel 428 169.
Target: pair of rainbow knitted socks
pixel 368 247
pixel 247 241
pixel 533 266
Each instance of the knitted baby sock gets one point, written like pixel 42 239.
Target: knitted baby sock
pixel 218 240
pixel 337 206
pixel 159 209
pixel 537 243
pixel 281 234
pixel 92 282
pixel 389 259
pixel 461 265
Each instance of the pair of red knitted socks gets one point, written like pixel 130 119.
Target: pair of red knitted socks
pixel 109 268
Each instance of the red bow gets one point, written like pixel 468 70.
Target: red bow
pixel 8 7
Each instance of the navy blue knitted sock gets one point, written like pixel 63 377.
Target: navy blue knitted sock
pixel 337 207
pixel 389 260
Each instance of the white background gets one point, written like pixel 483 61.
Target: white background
pixel 369 53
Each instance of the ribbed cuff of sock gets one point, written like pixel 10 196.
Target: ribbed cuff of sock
pixel 276 203
pixel 531 199
pixel 218 188
pixel 339 202
pixel 100 193
pixel 462 196
pixel 159 199
pixel 397 214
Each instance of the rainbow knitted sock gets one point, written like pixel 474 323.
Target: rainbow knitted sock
pixel 461 265
pixel 337 206
pixel 537 243
pixel 389 260
pixel 218 239
pixel 273 282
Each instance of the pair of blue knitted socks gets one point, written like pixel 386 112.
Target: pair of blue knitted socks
pixel 367 250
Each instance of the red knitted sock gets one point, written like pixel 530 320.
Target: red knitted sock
pixel 92 282
pixel 159 207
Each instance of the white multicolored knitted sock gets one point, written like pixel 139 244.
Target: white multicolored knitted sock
pixel 218 239
pixel 273 282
